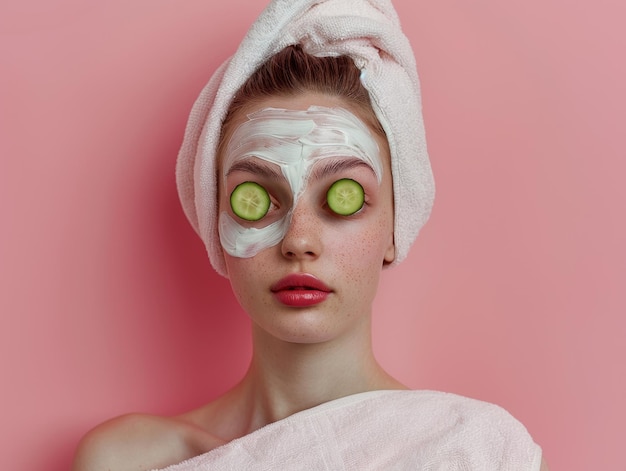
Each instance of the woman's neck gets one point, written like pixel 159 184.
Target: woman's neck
pixel 285 378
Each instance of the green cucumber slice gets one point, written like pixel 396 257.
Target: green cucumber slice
pixel 250 201
pixel 345 197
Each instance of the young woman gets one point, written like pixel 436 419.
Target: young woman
pixel 304 171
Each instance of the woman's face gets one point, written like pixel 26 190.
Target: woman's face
pixel 303 272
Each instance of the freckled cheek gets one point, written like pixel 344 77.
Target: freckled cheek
pixel 360 255
pixel 247 276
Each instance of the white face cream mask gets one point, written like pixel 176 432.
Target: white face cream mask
pixel 294 140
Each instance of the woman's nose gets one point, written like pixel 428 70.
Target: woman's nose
pixel 303 237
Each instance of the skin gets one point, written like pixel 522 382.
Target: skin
pixel 302 357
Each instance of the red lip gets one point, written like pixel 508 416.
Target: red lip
pixel 300 290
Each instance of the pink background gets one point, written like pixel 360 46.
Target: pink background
pixel 515 292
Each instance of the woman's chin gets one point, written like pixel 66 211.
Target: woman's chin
pixel 300 326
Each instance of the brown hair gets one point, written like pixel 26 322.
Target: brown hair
pixel 292 71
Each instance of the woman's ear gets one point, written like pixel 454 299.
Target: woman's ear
pixel 225 274
pixel 390 253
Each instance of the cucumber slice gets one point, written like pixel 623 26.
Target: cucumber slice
pixel 345 197
pixel 250 201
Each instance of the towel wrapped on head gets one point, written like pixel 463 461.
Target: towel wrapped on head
pixel 369 32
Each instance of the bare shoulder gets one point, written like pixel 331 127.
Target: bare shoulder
pixel 544 465
pixel 138 442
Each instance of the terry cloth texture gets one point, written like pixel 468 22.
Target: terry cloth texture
pixel 369 32
pixel 383 430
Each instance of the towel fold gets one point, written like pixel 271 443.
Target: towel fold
pixel 383 430
pixel 369 32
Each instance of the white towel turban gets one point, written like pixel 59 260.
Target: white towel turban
pixel 369 32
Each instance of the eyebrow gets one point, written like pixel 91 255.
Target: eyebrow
pixel 324 170
pixel 255 167
pixel 320 171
